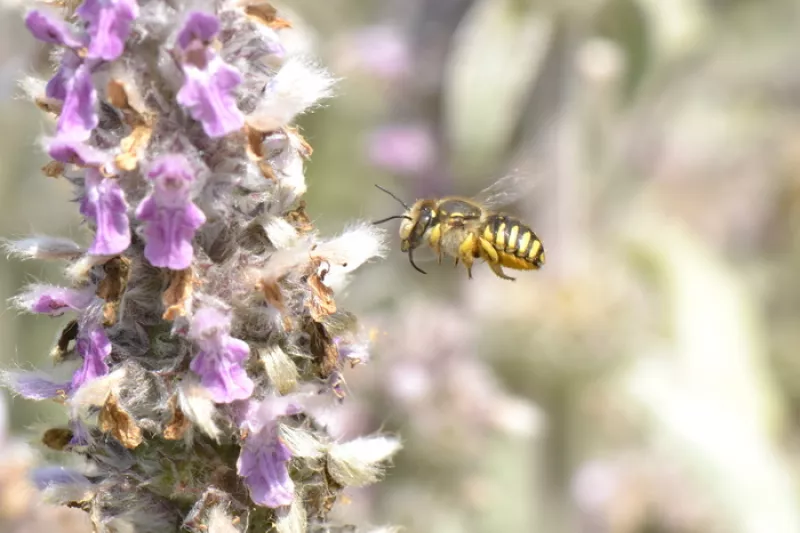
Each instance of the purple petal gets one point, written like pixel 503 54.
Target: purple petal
pixel 274 48
pixel 34 386
pixel 200 27
pixel 79 116
pixel 93 345
pixel 208 94
pixel 108 25
pixel 52 300
pixel 172 172
pixel 57 475
pixel 355 351
pixel 219 361
pixel 169 234
pixel 80 433
pixel 210 324
pixel 209 83
pixel 75 152
pixel 171 218
pixel 104 202
pixel 263 465
pixel 262 416
pixel 224 379
pixel 51 30
pixel 57 87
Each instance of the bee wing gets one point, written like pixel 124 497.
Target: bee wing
pixel 506 190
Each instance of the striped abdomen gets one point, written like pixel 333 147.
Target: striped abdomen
pixel 517 245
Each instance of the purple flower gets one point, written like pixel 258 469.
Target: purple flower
pixel 93 345
pixel 35 386
pixel 51 30
pixel 354 351
pixel 382 51
pixel 57 86
pixel 54 301
pixel 108 23
pixel 48 476
pixel 170 215
pixel 75 152
pixel 104 202
pixel 208 95
pixel 209 82
pixel 219 360
pixel 78 115
pixel 198 30
pixel 406 149
pixel 263 458
pixel 262 463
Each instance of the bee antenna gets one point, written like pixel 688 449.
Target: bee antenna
pixel 393 196
pixel 381 221
pixel 411 260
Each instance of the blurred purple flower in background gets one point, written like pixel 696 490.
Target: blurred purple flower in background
pixel 24 505
pixel 381 51
pixel 402 148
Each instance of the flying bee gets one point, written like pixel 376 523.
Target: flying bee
pixel 467 229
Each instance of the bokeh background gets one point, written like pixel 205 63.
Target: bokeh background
pixel 648 378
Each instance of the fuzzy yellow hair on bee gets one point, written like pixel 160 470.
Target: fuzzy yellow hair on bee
pixel 467 229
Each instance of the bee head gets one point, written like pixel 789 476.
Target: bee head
pixel 417 220
pixel 421 217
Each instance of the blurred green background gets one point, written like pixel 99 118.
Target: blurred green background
pixel 647 379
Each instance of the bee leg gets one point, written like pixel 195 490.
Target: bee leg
pixel 489 253
pixel 498 270
pixel 466 253
pixel 455 263
pixel 435 240
pixel 468 266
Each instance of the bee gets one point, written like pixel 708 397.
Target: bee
pixel 467 229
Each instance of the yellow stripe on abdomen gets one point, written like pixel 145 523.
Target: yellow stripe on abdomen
pixel 511 245
pixel 500 237
pixel 536 246
pixel 524 241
